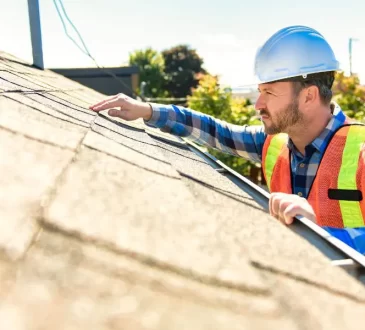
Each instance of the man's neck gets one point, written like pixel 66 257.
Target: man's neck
pixel 305 132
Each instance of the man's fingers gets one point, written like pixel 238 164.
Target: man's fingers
pixel 293 210
pixel 112 97
pixel 282 206
pixel 120 113
pixel 279 203
pixel 285 207
pixel 107 105
pixel 303 210
pixel 270 203
pixel 274 203
pixel 114 113
pixel 111 102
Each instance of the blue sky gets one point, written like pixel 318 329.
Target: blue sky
pixel 225 33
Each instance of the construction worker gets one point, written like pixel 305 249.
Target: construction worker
pixel 312 154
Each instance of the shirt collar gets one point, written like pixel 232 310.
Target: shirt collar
pixel 320 143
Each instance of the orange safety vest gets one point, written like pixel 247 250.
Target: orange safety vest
pixel 336 194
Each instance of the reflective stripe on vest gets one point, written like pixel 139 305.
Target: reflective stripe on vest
pixel 276 144
pixel 351 211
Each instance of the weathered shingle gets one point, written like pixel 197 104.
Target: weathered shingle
pixel 28 170
pixel 18 117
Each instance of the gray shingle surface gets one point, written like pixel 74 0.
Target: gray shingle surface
pixel 108 225
pixel 17 117
pixel 8 86
pixel 155 164
pixel 28 169
pixel 37 106
pixel 317 307
pixel 73 285
pixel 24 82
pixel 66 108
pixel 130 216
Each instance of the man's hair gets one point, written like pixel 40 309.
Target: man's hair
pixel 324 82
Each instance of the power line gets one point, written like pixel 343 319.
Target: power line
pixel 85 49
pixel 60 8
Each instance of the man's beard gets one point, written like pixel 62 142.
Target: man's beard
pixel 283 120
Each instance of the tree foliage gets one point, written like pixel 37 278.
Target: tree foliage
pixel 350 95
pixel 182 64
pixel 173 73
pixel 211 99
pixel 151 71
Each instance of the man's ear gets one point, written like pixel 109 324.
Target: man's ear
pixel 311 94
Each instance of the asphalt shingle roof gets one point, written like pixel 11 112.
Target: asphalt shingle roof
pixel 107 224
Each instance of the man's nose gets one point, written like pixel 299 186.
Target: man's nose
pixel 260 104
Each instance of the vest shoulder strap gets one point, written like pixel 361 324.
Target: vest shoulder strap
pixel 272 149
pixel 347 176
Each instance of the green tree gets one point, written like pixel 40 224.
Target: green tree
pixel 211 99
pixel 182 64
pixel 350 95
pixel 151 70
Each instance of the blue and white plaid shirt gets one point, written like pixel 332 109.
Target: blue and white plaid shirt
pixel 248 141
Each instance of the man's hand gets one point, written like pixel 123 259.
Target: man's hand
pixel 285 207
pixel 125 107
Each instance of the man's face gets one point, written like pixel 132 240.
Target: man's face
pixel 278 107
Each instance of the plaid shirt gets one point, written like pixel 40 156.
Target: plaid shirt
pixel 244 141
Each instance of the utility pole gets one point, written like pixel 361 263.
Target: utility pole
pixel 36 33
pixel 351 40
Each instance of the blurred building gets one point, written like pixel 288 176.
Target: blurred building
pixel 246 92
pixel 107 81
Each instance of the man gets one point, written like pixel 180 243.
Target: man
pixel 312 154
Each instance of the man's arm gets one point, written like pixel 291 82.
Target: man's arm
pixel 244 141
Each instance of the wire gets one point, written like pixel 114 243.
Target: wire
pixel 85 50
pixel 75 29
